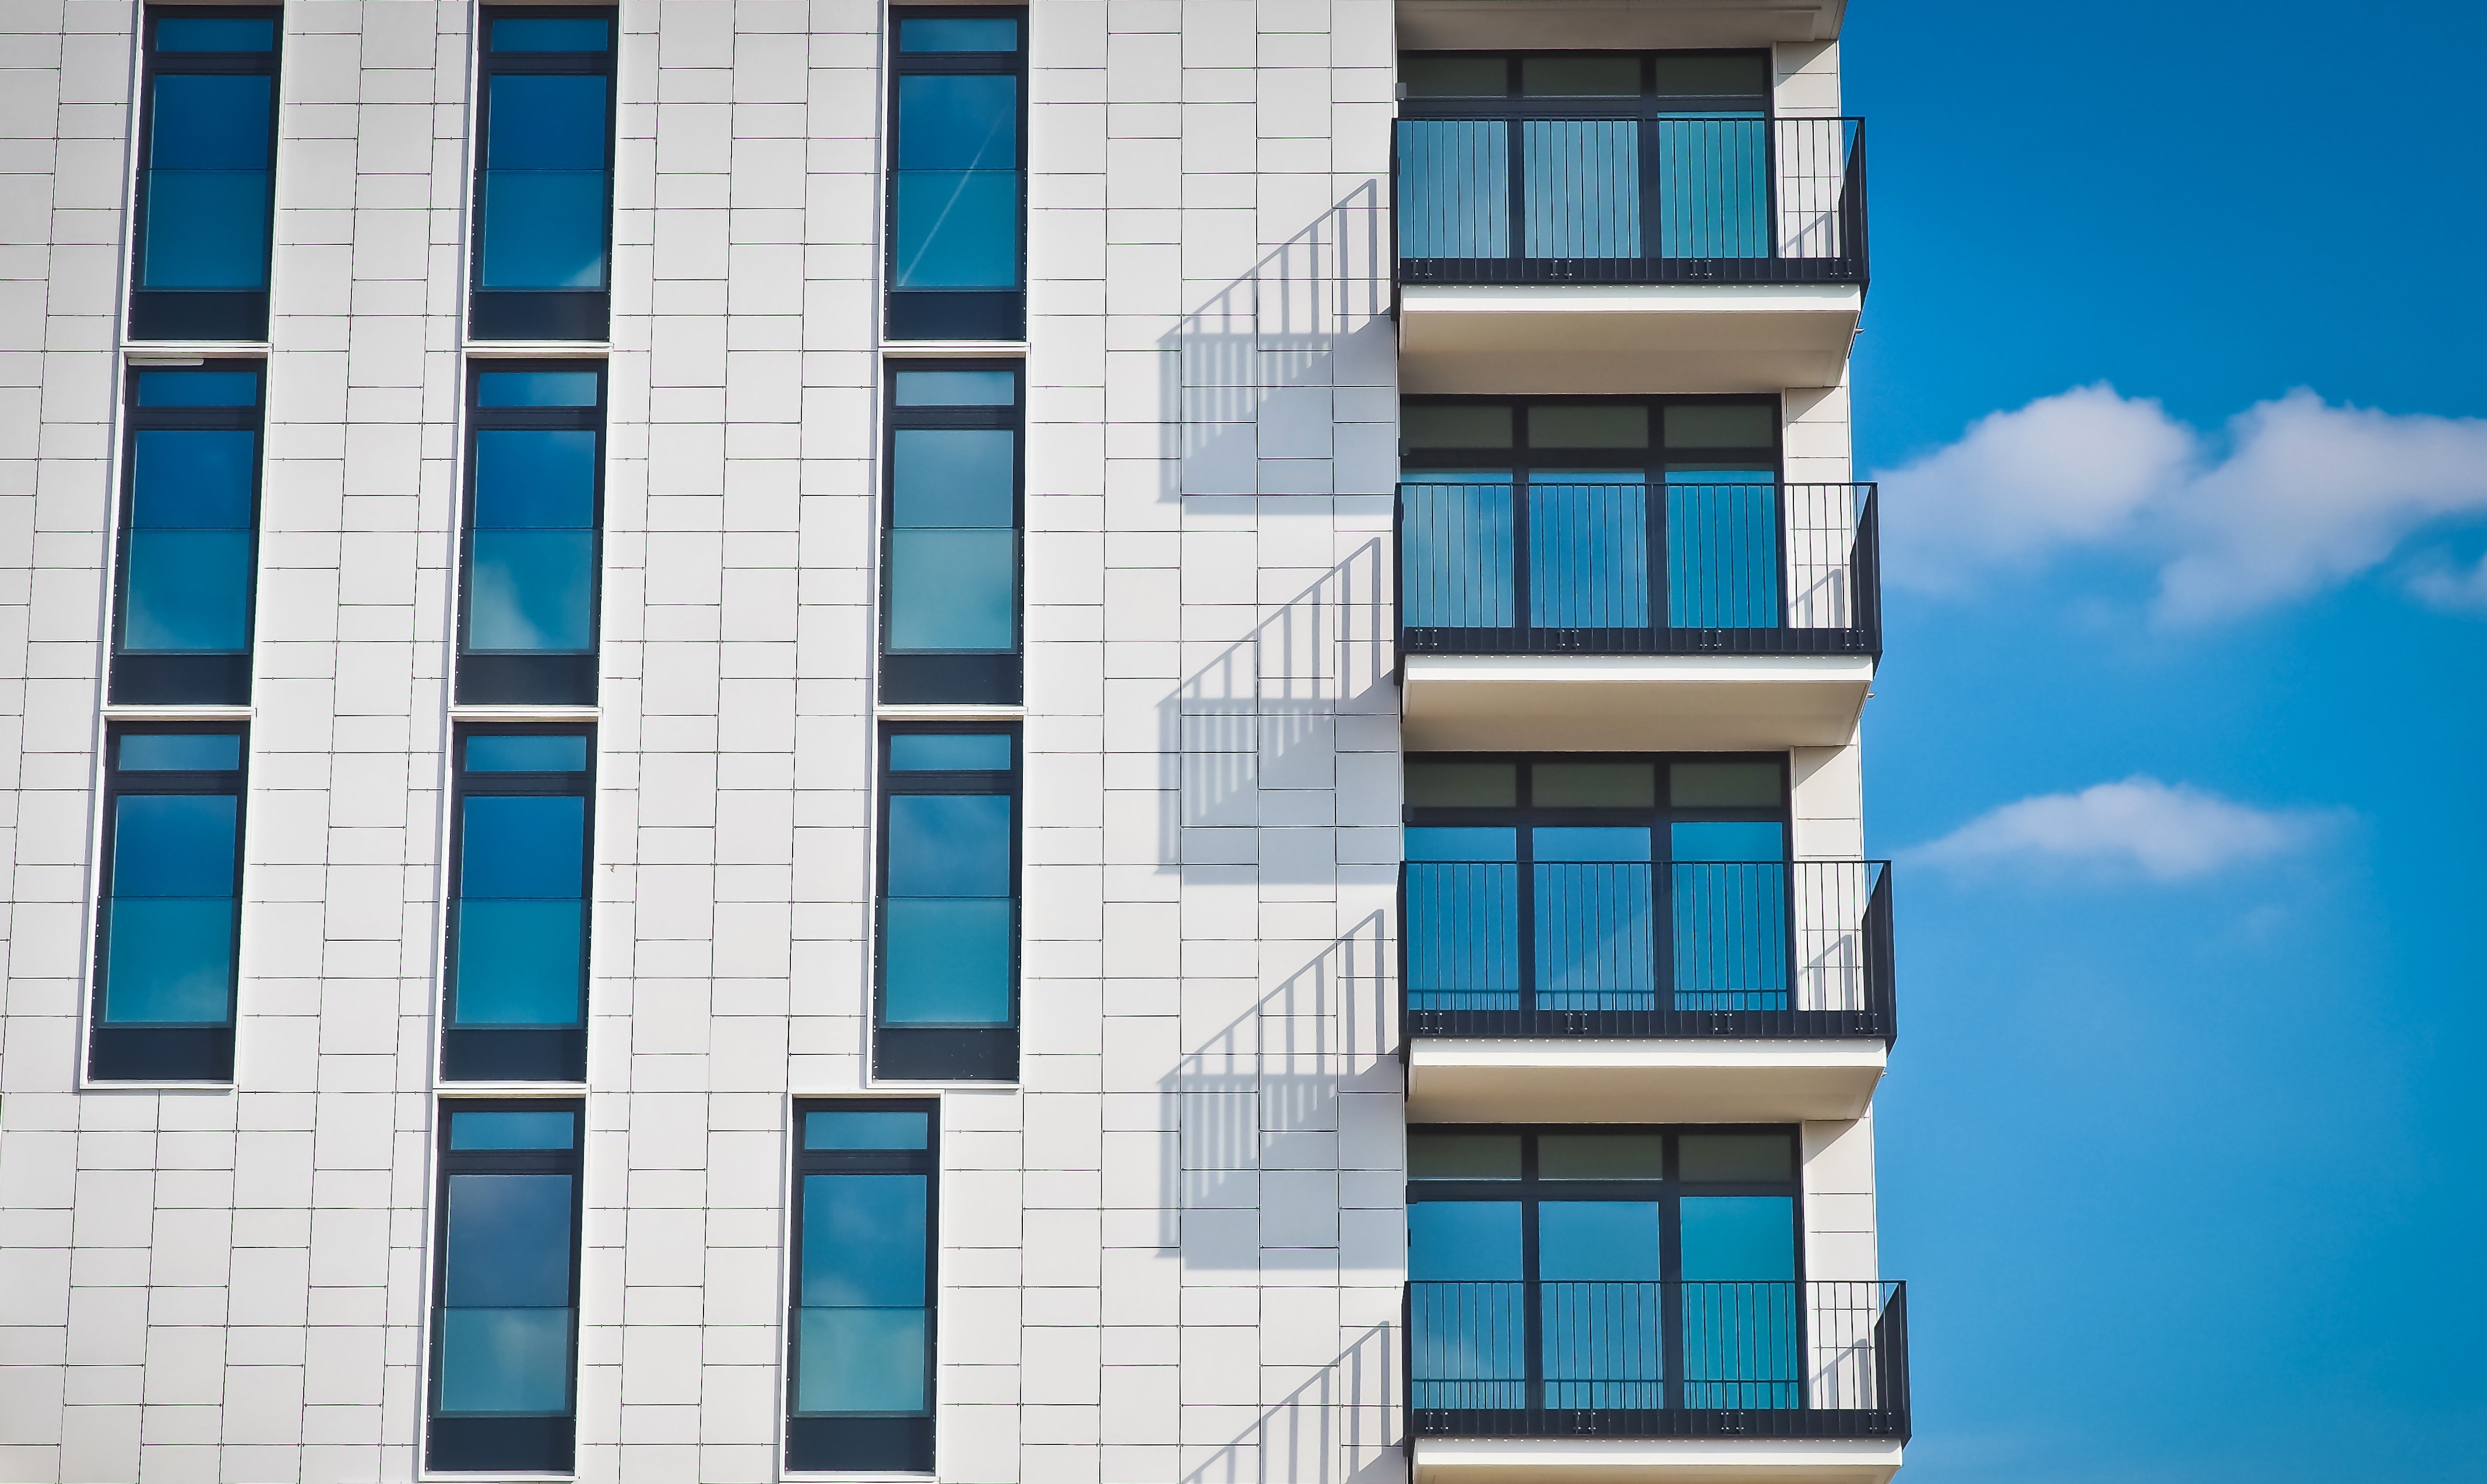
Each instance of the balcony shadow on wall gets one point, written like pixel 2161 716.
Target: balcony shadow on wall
pixel 1250 380
pixel 1255 730
pixel 1341 1426
pixel 1262 1172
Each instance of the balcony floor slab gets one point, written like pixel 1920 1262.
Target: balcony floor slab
pixel 1624 703
pixel 1612 339
pixel 1461 1080
pixel 1672 1461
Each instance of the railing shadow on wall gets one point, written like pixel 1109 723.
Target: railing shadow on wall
pixel 1341 1426
pixel 1248 379
pixel 1273 1077
pixel 1262 714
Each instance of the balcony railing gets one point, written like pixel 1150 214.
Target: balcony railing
pixel 1577 198
pixel 1678 949
pixel 1634 569
pixel 1567 1360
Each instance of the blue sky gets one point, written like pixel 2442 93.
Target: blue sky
pixel 2179 1149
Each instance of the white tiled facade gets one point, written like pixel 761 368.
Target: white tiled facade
pixel 1174 1250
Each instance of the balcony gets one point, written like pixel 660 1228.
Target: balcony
pixel 1680 1381
pixel 1565 248
pixel 1633 617
pixel 1611 992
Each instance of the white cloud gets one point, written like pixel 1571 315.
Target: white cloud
pixel 2166 832
pixel 2297 496
pixel 2458 589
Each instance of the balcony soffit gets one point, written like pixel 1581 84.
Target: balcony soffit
pixel 1468 25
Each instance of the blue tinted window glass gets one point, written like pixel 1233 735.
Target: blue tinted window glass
pixel 531 579
pixel 867 1129
pixel 509 1239
pixel 174 845
pixel 179 752
pixel 206 190
pixel 950 752
pixel 1464 1241
pixel 1588 551
pixel 957 182
pixel 545 184
pixel 1723 549
pixel 957 389
pixel 1599 1242
pixel 953 476
pixel 1467 844
pixel 946 961
pixel 513 1129
pixel 1463 928
pixel 188 576
pixel 1596 948
pixel 519 962
pixel 949 845
pixel 1738 1239
pixel 538 33
pixel 860 1360
pixel 1728 840
pixel 959 33
pixel 863 1239
pixel 860 1341
pixel 214 33
pixel 535 389
pixel 1551 844
pixel 523 846
pixel 168 949
pixel 198 388
pixel 953 590
pixel 505 1360
pixel 499 753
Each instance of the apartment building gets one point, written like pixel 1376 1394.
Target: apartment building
pixel 1110 742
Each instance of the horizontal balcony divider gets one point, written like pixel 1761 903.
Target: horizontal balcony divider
pixel 1601 193
pixel 1672 951
pixel 1656 1359
pixel 1548 568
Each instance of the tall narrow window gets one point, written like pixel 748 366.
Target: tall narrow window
pixel 958 242
pixel 189 533
pixel 168 931
pixel 948 1001
pixel 534 524
pixel 505 1289
pixel 544 195
pixel 950 614
pixel 517 906
pixel 206 153
pixel 859 1380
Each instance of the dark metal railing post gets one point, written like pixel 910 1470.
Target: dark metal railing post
pixel 1880 962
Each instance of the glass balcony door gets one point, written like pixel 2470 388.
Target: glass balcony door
pixel 1601 1271
pixel 1593 886
pixel 1564 162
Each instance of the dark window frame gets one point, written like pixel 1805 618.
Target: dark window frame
pixel 489 1443
pixel 542 314
pixel 1524 814
pixel 184 677
pixel 955 314
pixel 202 314
pixel 517 1053
pixel 1649 102
pixel 532 678
pixel 180 1053
pixel 1653 458
pixel 865 1441
pixel 969 677
pixel 933 1053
